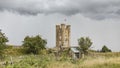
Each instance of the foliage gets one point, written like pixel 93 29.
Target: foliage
pixel 28 61
pixel 105 49
pixel 103 60
pixel 84 43
pixel 3 40
pixel 34 44
pixel 49 51
pixel 65 55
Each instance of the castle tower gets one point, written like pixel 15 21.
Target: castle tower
pixel 63 36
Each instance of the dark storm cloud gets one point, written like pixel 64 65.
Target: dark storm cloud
pixel 95 9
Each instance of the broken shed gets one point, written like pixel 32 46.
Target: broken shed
pixel 75 53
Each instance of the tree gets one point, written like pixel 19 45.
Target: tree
pixel 84 43
pixel 3 40
pixel 34 44
pixel 105 49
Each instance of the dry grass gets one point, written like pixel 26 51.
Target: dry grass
pixel 90 63
pixel 93 60
pixel 98 60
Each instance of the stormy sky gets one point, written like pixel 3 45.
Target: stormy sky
pixel 97 19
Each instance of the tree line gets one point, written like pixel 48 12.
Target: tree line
pixel 34 44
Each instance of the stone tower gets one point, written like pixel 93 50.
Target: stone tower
pixel 63 36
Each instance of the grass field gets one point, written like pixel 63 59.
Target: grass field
pixel 49 61
pixel 92 60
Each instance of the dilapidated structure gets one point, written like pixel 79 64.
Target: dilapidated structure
pixel 75 53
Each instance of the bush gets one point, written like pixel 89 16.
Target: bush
pixel 34 44
pixel 105 49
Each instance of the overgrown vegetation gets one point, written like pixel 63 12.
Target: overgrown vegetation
pixel 92 60
pixel 105 49
pixel 3 40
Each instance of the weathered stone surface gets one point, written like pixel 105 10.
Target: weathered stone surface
pixel 63 36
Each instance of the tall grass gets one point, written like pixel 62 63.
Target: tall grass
pixel 92 60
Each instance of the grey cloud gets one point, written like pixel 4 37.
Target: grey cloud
pixel 94 9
